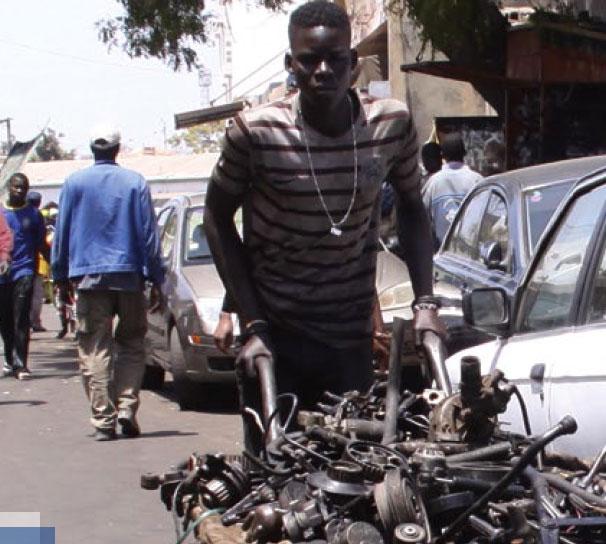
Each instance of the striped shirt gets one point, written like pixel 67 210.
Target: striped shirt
pixel 309 280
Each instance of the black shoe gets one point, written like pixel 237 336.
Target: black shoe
pixel 103 435
pixel 61 333
pixel 38 328
pixel 130 427
pixel 23 374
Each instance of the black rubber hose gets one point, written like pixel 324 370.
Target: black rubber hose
pixel 328 437
pixel 567 425
pixel 364 429
pixel 394 379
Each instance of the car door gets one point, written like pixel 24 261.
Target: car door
pixel 157 322
pixel 479 235
pixel 555 355
pixel 477 253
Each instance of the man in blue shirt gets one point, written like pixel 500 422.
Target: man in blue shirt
pixel 16 287
pixel 107 245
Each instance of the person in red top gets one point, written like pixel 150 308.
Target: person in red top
pixel 6 245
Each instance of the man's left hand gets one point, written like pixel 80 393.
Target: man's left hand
pixel 428 320
pixel 156 299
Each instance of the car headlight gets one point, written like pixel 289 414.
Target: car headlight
pixel 396 296
pixel 209 312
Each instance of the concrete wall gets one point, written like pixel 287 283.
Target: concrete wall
pixel 158 187
pixel 427 96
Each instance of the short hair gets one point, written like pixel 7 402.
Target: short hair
pixel 34 198
pixel 17 176
pixel 431 156
pixel 453 148
pixel 319 13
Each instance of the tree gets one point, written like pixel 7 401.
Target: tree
pixel 165 29
pixel 199 139
pixel 49 148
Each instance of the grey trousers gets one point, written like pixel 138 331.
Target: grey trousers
pixel 112 362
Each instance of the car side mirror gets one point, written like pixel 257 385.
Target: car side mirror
pixel 487 309
pixel 492 256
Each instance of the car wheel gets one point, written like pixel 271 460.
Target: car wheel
pixel 153 378
pixel 189 394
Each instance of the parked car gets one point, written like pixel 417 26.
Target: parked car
pixel 494 234
pixel 551 333
pixel 181 337
pixel 181 340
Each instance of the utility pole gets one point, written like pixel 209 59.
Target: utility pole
pixel 9 138
pixel 204 82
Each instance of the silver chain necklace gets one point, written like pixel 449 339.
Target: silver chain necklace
pixel 335 226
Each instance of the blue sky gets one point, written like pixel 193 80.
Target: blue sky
pixel 54 69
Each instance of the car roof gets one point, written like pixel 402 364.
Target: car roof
pixel 186 201
pixel 521 179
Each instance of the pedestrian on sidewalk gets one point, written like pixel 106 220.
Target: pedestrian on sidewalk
pixel 35 199
pixel 446 189
pixel 307 171
pixel 16 287
pixel 106 244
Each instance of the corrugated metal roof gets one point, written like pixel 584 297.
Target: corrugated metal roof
pixel 152 167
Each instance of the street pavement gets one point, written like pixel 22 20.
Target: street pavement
pixel 89 491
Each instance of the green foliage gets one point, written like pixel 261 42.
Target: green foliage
pixel 165 29
pixel 466 31
pixel 202 138
pixel 49 148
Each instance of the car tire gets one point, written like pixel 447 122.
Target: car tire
pixel 189 393
pixel 153 379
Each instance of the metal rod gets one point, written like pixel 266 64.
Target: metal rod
pixel 267 383
pixel 593 470
pixel 436 352
pixel 394 378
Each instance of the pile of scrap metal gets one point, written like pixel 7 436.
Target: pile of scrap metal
pixel 393 466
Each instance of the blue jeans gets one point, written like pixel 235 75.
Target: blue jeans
pixel 15 305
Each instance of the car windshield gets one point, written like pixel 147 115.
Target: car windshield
pixel 196 245
pixel 540 203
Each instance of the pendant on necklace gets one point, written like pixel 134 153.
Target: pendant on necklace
pixel 336 231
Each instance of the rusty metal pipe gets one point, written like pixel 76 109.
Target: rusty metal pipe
pixel 267 382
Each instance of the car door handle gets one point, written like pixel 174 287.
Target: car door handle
pixel 537 376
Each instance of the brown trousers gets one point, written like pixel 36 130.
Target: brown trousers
pixel 112 361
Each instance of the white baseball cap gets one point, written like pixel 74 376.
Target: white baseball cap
pixel 104 136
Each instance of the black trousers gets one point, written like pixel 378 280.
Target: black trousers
pixel 306 368
pixel 15 305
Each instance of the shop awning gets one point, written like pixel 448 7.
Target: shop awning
pixel 206 115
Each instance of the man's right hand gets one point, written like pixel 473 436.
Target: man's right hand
pixel 224 332
pixel 258 345
pixel 4 266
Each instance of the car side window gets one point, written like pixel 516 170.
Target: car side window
pixel 549 295
pixel 493 239
pixel 167 240
pixel 464 240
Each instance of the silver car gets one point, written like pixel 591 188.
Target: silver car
pixel 180 338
